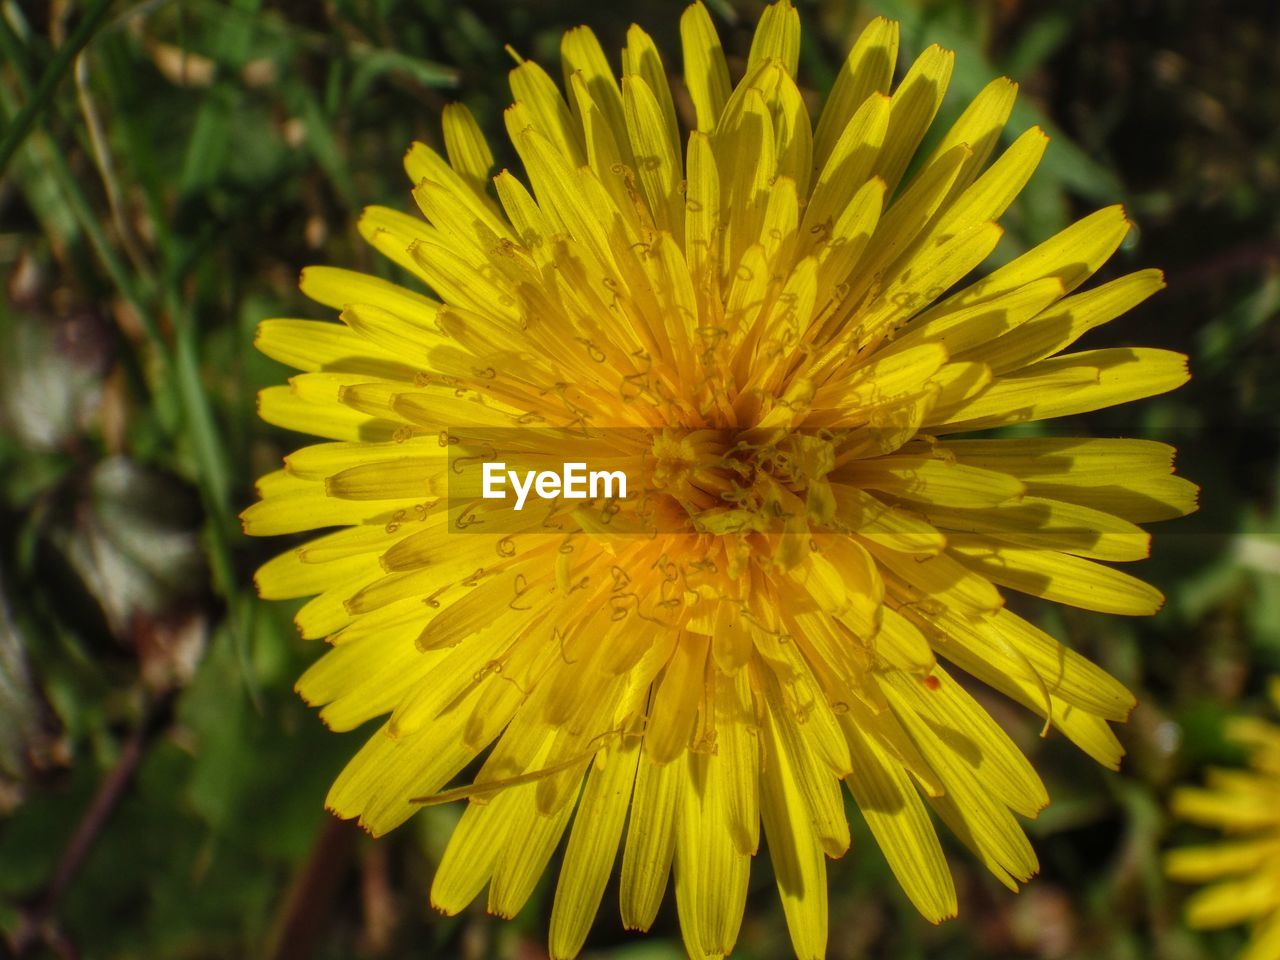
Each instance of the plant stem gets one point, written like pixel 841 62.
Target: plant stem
pixel 37 923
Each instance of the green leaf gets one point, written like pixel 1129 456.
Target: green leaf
pixel 373 63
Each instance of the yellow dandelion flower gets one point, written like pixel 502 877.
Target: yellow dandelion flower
pixel 759 325
pixel 1243 871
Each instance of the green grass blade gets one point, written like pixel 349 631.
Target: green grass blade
pixel 21 125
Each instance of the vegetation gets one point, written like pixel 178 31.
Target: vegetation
pixel 167 168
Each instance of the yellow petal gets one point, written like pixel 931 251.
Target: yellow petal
pixel 1058 328
pixel 410 341
pixel 940 580
pixel 531 839
pixel 316 345
pixel 640 58
pixel 581 53
pixel 393 479
pixel 657 154
pixel 903 645
pixel 1144 500
pixel 335 287
pixel 1067 674
pixel 1066 385
pixel 476 214
pixel 798 865
pixel 646 860
pixel 881 381
pixel 915 103
pixel 468 151
pixel 321 460
pixel 676 700
pixel 867 70
pixel 915 281
pixel 291 574
pixel 777 37
pixel 1215 808
pixel 846 171
pixel 283 407
pixel 861 512
pixel 979 127
pixel 980 820
pixel 816 784
pixel 842 247
pixel 706 75
pixel 702 223
pixel 887 799
pixel 1072 255
pixel 365 678
pixel 323 615
pixel 710 871
pixel 738 747
pixel 1016 647
pixel 593 844
pixel 1036 522
pixel 311 508
pixel 1057 576
pixel 558 187
pixel 537 92
pixel 990 195
pixel 744 148
pixel 532 225
pixel 904 224
pixel 967 332
pixel 392 233
pixel 993 759
pixel 379 782
pixel 1230 902
pixel 1264 941
pixel 933 481
pixel 1222 859
pixel 793 133
pixel 1059 460
pixel 472 850
pixel 844 582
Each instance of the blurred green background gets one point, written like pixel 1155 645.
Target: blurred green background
pixel 172 167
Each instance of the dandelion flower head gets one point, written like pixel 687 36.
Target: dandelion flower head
pixel 762 320
pixel 1241 872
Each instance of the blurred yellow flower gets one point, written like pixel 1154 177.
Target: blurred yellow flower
pixel 758 325
pixel 1243 871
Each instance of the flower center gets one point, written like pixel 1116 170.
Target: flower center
pixel 744 481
